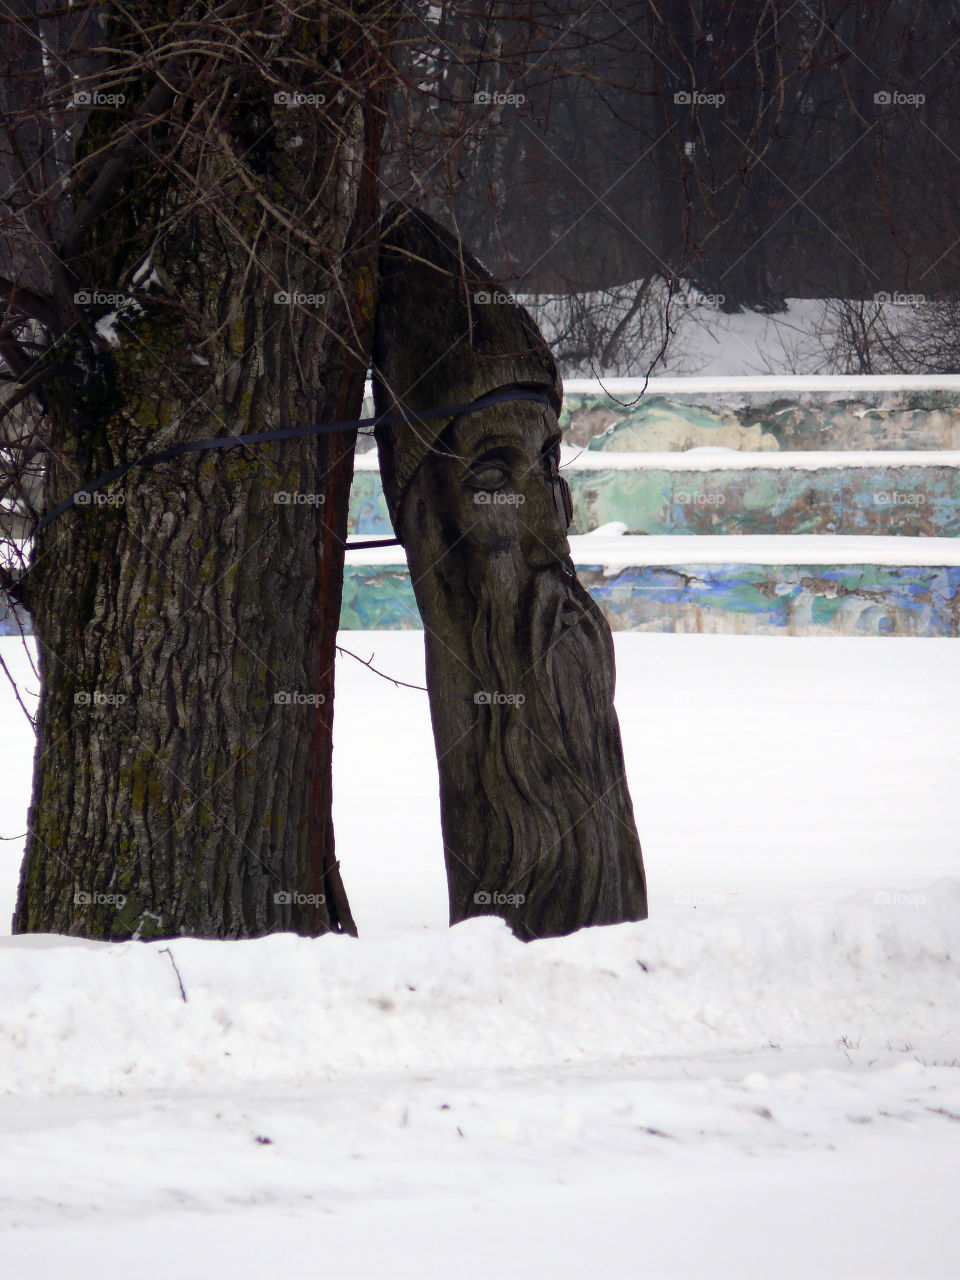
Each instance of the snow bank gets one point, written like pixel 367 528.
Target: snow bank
pixel 713 458
pixel 713 384
pixel 705 975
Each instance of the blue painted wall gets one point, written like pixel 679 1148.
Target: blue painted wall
pixel 748 599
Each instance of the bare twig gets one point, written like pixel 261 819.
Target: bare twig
pixel 368 662
pixel 167 951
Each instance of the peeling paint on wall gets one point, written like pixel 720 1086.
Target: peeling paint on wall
pixel 725 599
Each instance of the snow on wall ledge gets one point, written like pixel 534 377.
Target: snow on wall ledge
pixel 702 975
pixel 774 384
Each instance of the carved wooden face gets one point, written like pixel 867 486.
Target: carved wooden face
pixel 536 816
pixel 502 486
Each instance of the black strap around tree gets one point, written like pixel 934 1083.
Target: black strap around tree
pixel 292 433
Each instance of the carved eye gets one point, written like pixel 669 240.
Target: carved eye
pixel 488 475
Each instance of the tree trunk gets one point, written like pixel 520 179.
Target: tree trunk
pixel 186 617
pixel 537 822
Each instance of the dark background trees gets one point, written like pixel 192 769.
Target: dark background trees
pixel 758 150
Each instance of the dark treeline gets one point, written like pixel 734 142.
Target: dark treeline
pixel 759 150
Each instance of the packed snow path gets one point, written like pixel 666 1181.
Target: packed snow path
pixel 762 1080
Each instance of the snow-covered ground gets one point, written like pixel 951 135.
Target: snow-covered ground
pixel 808 338
pixel 763 1080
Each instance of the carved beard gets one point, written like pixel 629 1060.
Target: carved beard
pixel 558 825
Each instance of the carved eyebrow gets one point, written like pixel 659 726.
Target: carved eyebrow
pixel 486 444
pixel 472 439
pixel 472 445
pixel 468 442
pixel 472 453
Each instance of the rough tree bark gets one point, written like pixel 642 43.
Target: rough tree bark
pixel 537 820
pixel 186 626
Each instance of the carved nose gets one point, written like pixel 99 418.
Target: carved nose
pixel 565 502
pixel 545 547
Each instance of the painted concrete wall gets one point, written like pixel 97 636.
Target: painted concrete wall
pixel 845 600
pixel 916 501
pixel 747 599
pixel 851 600
pixel 913 501
pixel 905 420
pixel 920 501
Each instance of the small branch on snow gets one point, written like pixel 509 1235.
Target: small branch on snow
pixel 175 970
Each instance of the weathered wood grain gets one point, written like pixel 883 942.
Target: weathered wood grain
pixel 537 821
